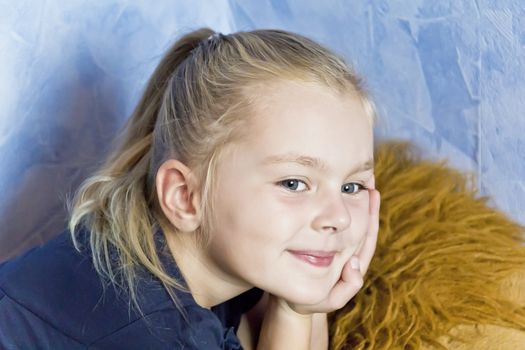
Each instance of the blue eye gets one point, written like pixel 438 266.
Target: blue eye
pixel 293 185
pixel 352 188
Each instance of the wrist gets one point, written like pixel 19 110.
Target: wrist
pixel 283 308
pixel 283 327
pixel 319 338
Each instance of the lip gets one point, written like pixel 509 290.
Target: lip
pixel 318 258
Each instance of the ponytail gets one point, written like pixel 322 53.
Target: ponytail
pixel 115 205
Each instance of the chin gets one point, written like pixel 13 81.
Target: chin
pixel 305 294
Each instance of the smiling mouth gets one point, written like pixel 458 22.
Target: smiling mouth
pixel 315 258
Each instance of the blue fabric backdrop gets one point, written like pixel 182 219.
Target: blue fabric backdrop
pixel 447 74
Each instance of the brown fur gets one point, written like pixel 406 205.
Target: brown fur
pixel 448 270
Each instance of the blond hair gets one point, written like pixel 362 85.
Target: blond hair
pixel 194 105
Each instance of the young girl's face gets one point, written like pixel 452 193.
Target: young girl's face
pixel 291 202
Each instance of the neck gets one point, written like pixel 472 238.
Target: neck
pixel 208 284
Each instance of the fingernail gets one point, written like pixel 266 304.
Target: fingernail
pixel 354 262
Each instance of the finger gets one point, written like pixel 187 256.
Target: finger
pixel 372 208
pixel 367 250
pixel 345 289
pixel 361 244
pixel 373 213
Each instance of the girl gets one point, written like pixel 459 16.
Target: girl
pixel 247 166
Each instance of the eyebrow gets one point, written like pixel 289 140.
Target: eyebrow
pixel 313 162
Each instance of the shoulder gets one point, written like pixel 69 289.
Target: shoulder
pixel 52 294
pixel 49 276
pixel 44 291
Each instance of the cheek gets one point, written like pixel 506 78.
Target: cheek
pixel 256 220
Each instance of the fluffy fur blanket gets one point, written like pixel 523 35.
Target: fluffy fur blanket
pixel 449 270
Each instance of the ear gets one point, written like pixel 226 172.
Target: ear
pixel 177 191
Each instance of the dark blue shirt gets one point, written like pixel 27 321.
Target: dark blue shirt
pixel 52 298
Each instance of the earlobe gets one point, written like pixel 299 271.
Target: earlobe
pixel 178 195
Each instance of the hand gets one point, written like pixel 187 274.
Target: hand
pixel 351 279
pixel 290 325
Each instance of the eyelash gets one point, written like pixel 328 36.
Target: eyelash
pixel 360 187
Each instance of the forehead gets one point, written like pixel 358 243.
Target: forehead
pixel 309 119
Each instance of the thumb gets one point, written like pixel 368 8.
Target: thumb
pixel 350 283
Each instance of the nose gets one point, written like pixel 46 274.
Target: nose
pixel 332 215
